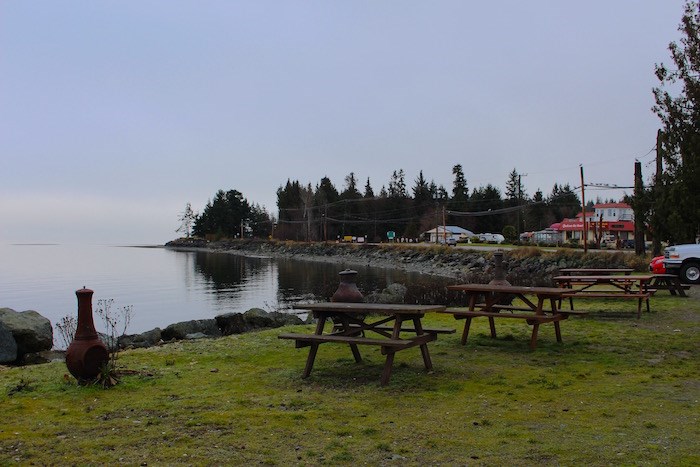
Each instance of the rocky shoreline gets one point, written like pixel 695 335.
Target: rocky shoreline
pixel 524 266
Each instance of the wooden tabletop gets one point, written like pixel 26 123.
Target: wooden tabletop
pixel 379 308
pixel 514 289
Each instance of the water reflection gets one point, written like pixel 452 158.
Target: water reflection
pixel 291 280
pixel 166 286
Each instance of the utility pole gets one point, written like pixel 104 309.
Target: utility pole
pixel 584 235
pixel 444 227
pixel 520 193
pixel 437 222
pixel 639 214
pixel 656 241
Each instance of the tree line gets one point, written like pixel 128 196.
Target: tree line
pixel 323 212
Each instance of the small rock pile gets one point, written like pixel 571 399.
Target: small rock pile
pixel 222 325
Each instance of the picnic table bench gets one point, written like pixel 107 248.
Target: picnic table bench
pixel 350 325
pixel 533 313
pixel 594 271
pixel 614 286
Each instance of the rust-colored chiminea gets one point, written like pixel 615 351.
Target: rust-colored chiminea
pixel 347 289
pixel 499 275
pixel 87 354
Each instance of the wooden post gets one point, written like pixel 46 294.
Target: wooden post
pixel 584 236
pixel 639 247
pixel 444 227
pixel 656 241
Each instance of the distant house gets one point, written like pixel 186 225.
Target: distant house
pixel 442 232
pixel 615 220
pixel 548 236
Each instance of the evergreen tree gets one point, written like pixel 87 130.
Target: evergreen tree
pixel 483 200
pixel 259 221
pixel 515 193
pixel 369 193
pixel 224 216
pixel 421 191
pixel 350 191
pixel 679 198
pixel 397 185
pixel 460 192
pixel 536 213
pixel 563 202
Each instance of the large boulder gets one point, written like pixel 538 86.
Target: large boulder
pixel 231 323
pixel 255 318
pixel 145 339
pixel 181 330
pixel 31 331
pixel 8 346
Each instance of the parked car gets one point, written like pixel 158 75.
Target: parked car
pixel 684 261
pixel 657 265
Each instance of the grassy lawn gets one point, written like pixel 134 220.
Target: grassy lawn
pixel 617 391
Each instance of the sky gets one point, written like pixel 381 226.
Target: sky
pixel 115 114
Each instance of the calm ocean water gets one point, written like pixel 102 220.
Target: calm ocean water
pixel 166 286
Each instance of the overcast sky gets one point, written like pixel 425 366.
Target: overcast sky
pixel 115 114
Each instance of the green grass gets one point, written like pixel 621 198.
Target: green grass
pixel 617 391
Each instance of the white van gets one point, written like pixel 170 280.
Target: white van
pixel 491 238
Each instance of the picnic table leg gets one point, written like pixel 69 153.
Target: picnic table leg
pixel 492 325
pixel 355 350
pixel 465 333
pixel 423 348
pixel 314 347
pixel 557 330
pixel 533 339
pixel 490 301
pixel 672 286
pixel 676 285
pixel 389 362
pixel 639 307
pixel 468 319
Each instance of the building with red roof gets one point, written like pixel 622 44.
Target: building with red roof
pixel 614 221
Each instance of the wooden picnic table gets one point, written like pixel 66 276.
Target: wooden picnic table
pixel 670 282
pixel 614 286
pixel 352 322
pixel 594 271
pixel 532 312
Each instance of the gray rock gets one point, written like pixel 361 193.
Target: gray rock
pixel 31 331
pixel 283 319
pixel 8 346
pixel 231 323
pixel 256 318
pixel 195 336
pixel 143 340
pixel 180 330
